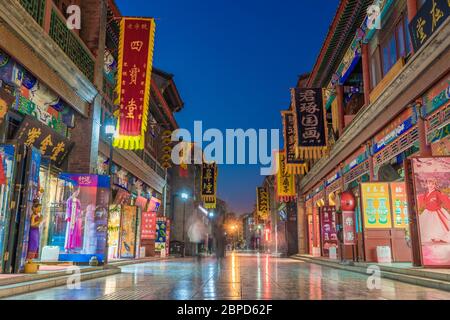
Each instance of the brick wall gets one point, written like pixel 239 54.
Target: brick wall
pixel 80 156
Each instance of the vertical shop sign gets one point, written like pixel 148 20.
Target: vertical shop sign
pixel 376 205
pixel 348 206
pixel 161 234
pixel 209 185
pixel 311 133
pixel 134 80
pixel 293 165
pixel 328 226
pixel 399 205
pixel 148 226
pixel 262 202
pixel 285 180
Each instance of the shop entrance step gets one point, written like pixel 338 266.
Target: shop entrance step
pixel 29 283
pixel 418 276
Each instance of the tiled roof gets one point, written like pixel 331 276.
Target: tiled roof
pixel 349 17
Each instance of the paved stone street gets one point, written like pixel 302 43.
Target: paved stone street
pixel 238 276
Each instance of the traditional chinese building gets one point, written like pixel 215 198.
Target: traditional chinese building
pixel 57 92
pixel 48 88
pixel 386 94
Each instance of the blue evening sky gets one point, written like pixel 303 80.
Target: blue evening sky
pixel 234 62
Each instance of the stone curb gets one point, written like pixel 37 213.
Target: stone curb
pixel 52 282
pixel 392 274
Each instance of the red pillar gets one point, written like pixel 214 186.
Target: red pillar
pixel 366 72
pixel 371 164
pixel 47 15
pixel 424 148
pixel 411 5
pixel 341 112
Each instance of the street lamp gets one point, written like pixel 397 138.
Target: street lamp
pixel 110 131
pixel 184 196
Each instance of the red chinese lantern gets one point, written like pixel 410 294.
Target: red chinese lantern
pixel 348 202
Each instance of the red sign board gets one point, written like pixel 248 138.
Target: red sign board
pixel 348 225
pixel 148 226
pixel 134 79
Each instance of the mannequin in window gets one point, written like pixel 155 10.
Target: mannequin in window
pixel 36 221
pixel 90 238
pixel 74 221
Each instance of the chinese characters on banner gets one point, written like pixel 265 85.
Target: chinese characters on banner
pixel 148 226
pixel 429 18
pixel 311 133
pixel 328 226
pixel 376 205
pixel 285 181
pixel 399 205
pixel 33 133
pixel 134 80
pixel 209 185
pixel 432 196
pixel 293 165
pixel 262 202
pixel 349 228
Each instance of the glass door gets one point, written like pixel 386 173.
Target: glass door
pixel 7 167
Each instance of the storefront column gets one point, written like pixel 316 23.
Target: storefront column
pixel 341 112
pixel 301 223
pixel 366 73
pixel 424 148
pixel 47 15
pixel 411 5
pixel 342 180
pixel 371 165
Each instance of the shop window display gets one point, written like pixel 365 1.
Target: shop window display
pixel 128 232
pixel 115 213
pixel 75 215
pixel 32 193
pixel 7 164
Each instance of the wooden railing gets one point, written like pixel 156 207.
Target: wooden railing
pixel 36 9
pixel 66 39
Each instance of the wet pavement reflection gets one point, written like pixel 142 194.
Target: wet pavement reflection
pixel 238 276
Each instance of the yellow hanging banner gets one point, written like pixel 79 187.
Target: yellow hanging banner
pixel 209 185
pixel 293 165
pixel 133 81
pixel 262 202
pixel 285 185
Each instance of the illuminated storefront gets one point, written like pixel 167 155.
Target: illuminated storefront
pixel 39 124
pixel 132 222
